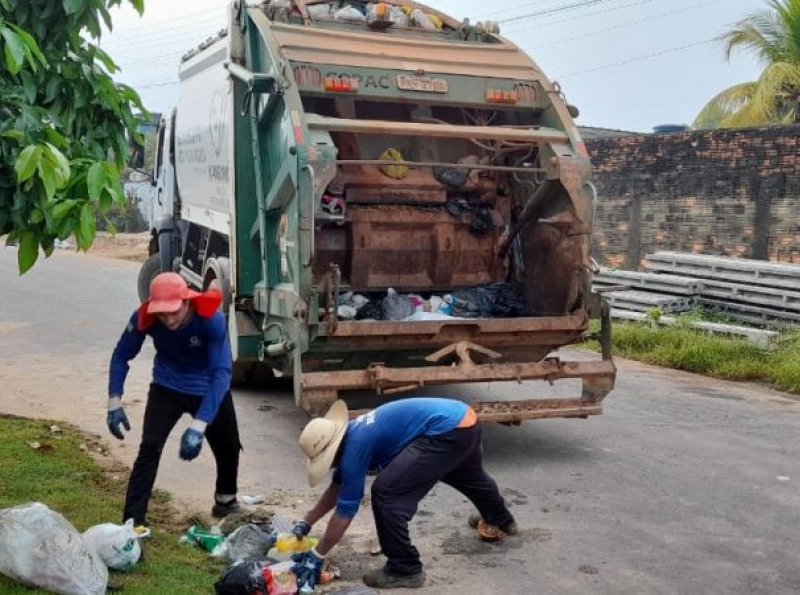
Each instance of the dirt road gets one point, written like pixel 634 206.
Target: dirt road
pixel 684 485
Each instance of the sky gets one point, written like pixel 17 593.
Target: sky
pixel 626 64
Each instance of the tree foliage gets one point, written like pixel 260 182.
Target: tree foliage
pixel 63 123
pixel 773 35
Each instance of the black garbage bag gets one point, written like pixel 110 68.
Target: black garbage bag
pixel 449 176
pixel 249 542
pixel 481 220
pixel 497 300
pixel 242 578
pixel 371 310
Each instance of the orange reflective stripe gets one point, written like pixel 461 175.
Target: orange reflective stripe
pixel 469 419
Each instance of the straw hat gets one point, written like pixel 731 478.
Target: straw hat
pixel 321 438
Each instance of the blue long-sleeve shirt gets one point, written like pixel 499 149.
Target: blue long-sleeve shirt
pixel 194 360
pixel 374 439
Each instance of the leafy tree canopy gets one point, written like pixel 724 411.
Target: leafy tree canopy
pixel 773 35
pixel 63 123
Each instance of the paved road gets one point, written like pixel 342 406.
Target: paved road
pixel 684 485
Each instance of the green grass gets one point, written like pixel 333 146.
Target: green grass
pixel 695 351
pixel 65 478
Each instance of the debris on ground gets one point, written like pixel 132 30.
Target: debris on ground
pixel 40 548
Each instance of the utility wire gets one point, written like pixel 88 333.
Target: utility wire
pixel 641 58
pixel 576 17
pixel 620 26
pixel 555 10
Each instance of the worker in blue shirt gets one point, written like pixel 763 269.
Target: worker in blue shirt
pixel 191 374
pixel 411 444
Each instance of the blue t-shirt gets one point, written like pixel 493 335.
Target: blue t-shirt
pixel 374 439
pixel 194 360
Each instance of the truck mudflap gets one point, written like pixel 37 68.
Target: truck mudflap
pixel 320 388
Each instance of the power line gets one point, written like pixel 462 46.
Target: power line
pixel 516 7
pixel 580 16
pixel 620 26
pixel 556 10
pixel 641 58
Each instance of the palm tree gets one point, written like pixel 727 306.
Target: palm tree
pixel 773 35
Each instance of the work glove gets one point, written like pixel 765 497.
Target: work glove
pixel 307 568
pixel 301 529
pixel 192 440
pixel 116 418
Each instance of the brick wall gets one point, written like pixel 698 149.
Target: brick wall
pixel 725 192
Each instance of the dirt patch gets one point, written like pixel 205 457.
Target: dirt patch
pixel 123 246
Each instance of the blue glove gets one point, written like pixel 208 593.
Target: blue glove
pixel 301 529
pixel 115 419
pixel 307 568
pixel 191 443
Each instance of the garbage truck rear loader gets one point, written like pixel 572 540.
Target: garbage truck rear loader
pixel 320 154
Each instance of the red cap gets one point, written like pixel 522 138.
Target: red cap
pixel 168 291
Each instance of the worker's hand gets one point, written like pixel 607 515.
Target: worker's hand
pixel 116 418
pixel 307 568
pixel 191 443
pixel 301 529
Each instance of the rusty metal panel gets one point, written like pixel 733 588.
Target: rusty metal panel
pixel 315 45
pixel 412 249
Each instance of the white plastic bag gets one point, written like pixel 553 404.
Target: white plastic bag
pixel 421 20
pixel 39 547
pixel 117 545
pixel 349 14
pixel 320 12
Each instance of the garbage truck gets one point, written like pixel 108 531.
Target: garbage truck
pixel 329 163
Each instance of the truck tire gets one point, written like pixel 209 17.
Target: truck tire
pixel 250 373
pixel 150 268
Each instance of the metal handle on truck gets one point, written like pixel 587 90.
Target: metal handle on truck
pixel 257 82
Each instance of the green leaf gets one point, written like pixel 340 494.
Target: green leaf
pixel 28 85
pixel 60 162
pixel 28 251
pixel 27 162
pixel 62 209
pixel 5 4
pixel 30 43
pixel 48 177
pixel 15 50
pixel 106 60
pixel 96 179
pixel 36 217
pixel 73 6
pixel 88 225
pixel 48 245
pixel 52 88
pixel 17 135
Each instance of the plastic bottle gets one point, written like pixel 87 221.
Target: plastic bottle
pixel 287 543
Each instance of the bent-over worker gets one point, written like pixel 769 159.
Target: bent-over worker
pixel 411 444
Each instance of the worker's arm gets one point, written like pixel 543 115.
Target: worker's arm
pixel 324 505
pixel 219 369
pixel 336 529
pixel 128 347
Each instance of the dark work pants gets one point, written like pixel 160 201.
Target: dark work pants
pixel 454 458
pixel 164 409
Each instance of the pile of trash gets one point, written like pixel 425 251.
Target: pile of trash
pixel 375 13
pixel 496 300
pixel 40 548
pixel 258 552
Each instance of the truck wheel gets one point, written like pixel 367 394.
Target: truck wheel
pixel 150 268
pixel 249 373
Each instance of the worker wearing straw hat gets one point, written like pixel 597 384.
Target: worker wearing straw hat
pixel 411 444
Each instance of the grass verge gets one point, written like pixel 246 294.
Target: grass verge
pixel 62 475
pixel 722 357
